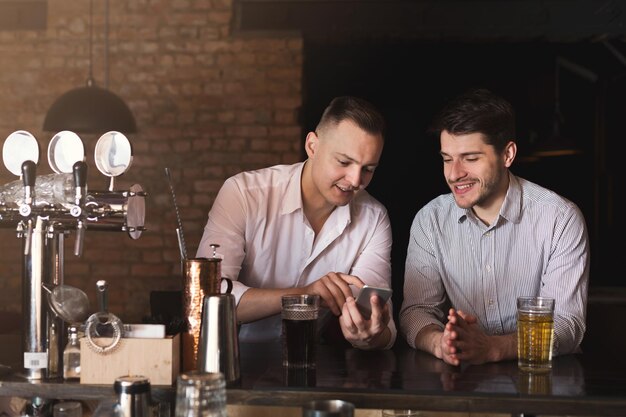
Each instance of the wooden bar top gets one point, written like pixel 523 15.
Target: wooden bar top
pixel 582 384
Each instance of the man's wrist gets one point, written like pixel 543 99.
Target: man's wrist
pixel 429 340
pixel 377 342
pixel 503 347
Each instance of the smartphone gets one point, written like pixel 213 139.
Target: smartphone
pixel 363 299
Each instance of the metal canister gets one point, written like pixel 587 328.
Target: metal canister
pixel 219 344
pixel 133 396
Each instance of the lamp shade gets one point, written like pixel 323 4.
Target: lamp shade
pixel 89 109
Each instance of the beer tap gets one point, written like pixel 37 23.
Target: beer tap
pixel 79 170
pixel 43 209
pixel 29 176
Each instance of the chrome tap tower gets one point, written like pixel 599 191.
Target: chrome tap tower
pixel 44 209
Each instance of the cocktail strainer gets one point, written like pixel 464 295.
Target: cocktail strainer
pixel 103 330
pixel 69 303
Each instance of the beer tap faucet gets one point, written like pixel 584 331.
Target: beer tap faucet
pixel 29 176
pixel 79 170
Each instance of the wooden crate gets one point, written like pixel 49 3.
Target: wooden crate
pixel 156 359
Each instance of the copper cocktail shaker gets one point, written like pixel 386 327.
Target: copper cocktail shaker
pixel 202 276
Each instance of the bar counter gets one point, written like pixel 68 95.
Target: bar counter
pixel 580 384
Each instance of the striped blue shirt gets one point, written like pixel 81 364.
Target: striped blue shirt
pixel 537 246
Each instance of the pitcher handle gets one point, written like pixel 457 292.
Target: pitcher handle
pixel 229 284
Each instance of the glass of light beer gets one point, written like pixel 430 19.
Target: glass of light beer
pixel 535 333
pixel 299 332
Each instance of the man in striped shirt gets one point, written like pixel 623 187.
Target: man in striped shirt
pixel 495 237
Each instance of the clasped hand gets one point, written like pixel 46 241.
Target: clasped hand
pixel 464 340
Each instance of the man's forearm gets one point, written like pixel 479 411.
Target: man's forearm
pixel 259 303
pixel 504 347
pixel 429 340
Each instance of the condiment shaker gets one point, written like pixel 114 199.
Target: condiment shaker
pixel 133 396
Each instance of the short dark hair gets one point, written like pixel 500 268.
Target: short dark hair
pixel 355 109
pixel 478 110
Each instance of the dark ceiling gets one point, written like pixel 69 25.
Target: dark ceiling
pixel 493 20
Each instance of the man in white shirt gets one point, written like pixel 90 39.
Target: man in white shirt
pixel 310 228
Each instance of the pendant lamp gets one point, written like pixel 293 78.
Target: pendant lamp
pixel 90 109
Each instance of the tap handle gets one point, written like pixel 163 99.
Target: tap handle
pixel 29 176
pixel 29 173
pixel 79 170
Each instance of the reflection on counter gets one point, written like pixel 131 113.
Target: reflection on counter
pixel 270 411
pixel 12 407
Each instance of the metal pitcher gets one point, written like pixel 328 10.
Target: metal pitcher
pixel 219 343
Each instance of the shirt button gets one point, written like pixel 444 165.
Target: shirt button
pixel 490 302
pixel 488 267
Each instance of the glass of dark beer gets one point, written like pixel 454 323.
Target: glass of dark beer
pixel 299 334
pixel 299 377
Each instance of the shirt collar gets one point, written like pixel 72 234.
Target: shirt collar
pixel 511 208
pixel 293 194
pixel 293 198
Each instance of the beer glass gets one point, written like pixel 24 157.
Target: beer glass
pixel 200 394
pixel 535 333
pixel 299 377
pixel 328 408
pixel 533 383
pixel 299 333
pixel 67 409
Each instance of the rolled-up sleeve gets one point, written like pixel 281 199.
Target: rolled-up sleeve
pixel 373 265
pixel 226 227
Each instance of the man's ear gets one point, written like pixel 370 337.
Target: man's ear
pixel 310 145
pixel 510 151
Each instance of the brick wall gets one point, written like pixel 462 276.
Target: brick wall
pixel 208 104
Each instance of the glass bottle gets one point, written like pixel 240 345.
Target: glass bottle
pixel 71 355
pixel 201 394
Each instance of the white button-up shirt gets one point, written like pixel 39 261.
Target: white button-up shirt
pixel 267 242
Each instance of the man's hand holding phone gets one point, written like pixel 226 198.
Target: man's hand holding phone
pixel 363 299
